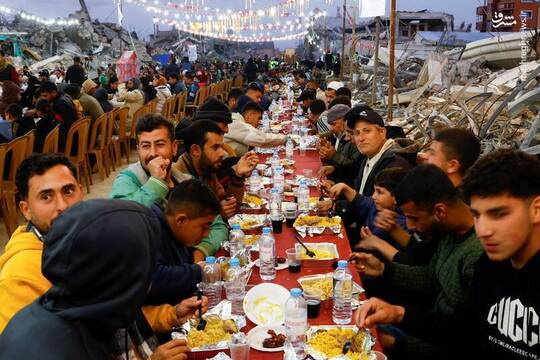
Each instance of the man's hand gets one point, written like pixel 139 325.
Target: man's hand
pixel 198 256
pixel 228 207
pixel 369 241
pixel 246 164
pixel 344 189
pixel 376 311
pixel 189 308
pixel 386 220
pixel 326 170
pixel 324 206
pixel 158 167
pixel 367 264
pixel 172 350
pixel 326 151
pixel 325 186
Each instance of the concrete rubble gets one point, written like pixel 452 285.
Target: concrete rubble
pixel 52 46
pixel 501 106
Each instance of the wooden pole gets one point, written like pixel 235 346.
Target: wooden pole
pixel 392 62
pixel 352 50
pixel 342 75
pixel 376 67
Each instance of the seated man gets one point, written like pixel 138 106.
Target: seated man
pixel 91 107
pixel 434 209
pixel 254 93
pixel 498 323
pixel 316 108
pixel 62 106
pixel 243 132
pixel 335 140
pixel 306 98
pixel 331 90
pixel 314 85
pixel 150 180
pixel 186 220
pixel 232 97
pixel 92 312
pixel 454 151
pixel 176 85
pixel 204 158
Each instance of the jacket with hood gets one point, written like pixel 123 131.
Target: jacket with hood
pixel 163 93
pixel 135 184
pixel 91 106
pixel 133 99
pixel 21 281
pixel 102 96
pixel 242 135
pixel 99 256
pixel 175 276
pixel 389 159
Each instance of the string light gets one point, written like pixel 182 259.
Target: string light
pixel 40 20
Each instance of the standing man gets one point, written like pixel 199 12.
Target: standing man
pixel 75 73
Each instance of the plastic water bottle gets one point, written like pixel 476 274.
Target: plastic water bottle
pixel 275 203
pixel 265 122
pixel 236 241
pixel 279 178
pixel 275 160
pixel 302 194
pixel 296 322
pixel 289 149
pixel 235 286
pixel 254 182
pixel 212 281
pixel 342 310
pixel 299 110
pixel 267 255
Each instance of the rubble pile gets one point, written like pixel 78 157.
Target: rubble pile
pixel 52 46
pixel 502 107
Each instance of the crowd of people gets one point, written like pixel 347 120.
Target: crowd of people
pixel 445 240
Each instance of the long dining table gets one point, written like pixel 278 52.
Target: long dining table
pixel 286 240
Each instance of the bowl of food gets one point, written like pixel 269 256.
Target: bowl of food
pixel 317 225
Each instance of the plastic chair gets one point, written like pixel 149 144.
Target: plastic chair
pixel 17 148
pixel 181 110
pixel 109 155
pixel 123 137
pixel 4 210
pixel 31 138
pixel 97 143
pixel 80 159
pixel 50 145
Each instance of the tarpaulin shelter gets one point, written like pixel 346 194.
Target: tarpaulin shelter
pixel 127 66
pixel 163 59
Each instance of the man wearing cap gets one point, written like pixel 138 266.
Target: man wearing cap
pixel 306 98
pixel 244 133
pixel 334 141
pixel 380 153
pixel 331 89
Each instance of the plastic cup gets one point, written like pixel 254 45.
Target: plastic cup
pixel 313 298
pixel 290 215
pixel 277 225
pixel 295 263
pixel 239 348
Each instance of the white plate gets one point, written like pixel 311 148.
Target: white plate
pixel 257 335
pixel 279 267
pixel 264 304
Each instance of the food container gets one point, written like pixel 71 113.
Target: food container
pixel 250 223
pixel 326 254
pixel 317 225
pixel 367 343
pixel 325 283
pixel 222 312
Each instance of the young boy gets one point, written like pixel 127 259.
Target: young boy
pixel 20 125
pixel 366 209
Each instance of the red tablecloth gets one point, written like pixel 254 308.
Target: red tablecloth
pixel 286 240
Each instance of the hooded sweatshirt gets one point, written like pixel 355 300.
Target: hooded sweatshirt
pixel 99 256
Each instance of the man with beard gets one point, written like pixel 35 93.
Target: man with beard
pixel 150 180
pixel 433 209
pixel 203 158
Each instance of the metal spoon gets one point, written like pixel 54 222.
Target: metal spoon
pixel 202 323
pixel 308 252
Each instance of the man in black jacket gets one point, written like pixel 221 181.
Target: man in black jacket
pixel 75 73
pixel 501 319
pixel 190 211
pixel 63 107
pixel 99 255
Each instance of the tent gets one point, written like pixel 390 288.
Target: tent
pixel 163 59
pixel 127 67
